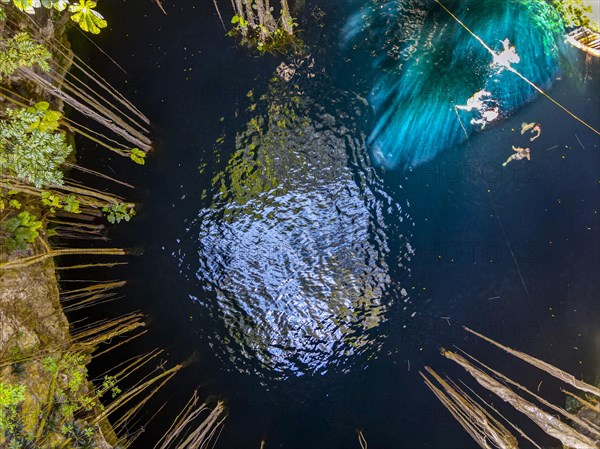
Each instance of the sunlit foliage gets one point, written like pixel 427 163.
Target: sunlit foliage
pixel 30 146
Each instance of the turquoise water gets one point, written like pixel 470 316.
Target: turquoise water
pixel 423 64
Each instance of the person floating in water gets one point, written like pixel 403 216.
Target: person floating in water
pixel 534 127
pixel 507 56
pixel 522 153
pixel 484 104
pixel 475 101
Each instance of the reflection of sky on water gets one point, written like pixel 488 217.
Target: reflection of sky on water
pixel 424 64
pixel 299 264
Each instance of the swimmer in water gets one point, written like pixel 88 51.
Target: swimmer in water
pixel 522 153
pixel 485 106
pixel 475 101
pixel 507 56
pixel 534 127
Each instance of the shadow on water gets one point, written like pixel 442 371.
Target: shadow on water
pixel 306 286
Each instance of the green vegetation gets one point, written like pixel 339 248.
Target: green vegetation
pixel 10 202
pixel 30 147
pixel 46 120
pixel 83 12
pixel 20 230
pixel 87 18
pixel 67 388
pixel 119 212
pixel 46 401
pixel 54 202
pixel 67 415
pixel 138 156
pixel 109 384
pixel 576 13
pixel 10 397
pixel 59 5
pixel 22 51
pixel 256 25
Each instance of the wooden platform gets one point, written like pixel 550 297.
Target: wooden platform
pixel 586 40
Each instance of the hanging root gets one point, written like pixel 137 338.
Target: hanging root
pixel 92 295
pixel 103 331
pixel 478 422
pixel 196 426
pixel 139 388
pixel 486 430
pixel 362 440
pixel 108 120
pixel 547 422
pixel 546 367
pixel 37 258
pixel 159 4
pixel 589 427
pixel 85 195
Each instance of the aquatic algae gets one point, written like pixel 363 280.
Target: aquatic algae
pixel 434 83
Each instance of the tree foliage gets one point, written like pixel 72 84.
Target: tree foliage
pixel 71 370
pixel 30 146
pixel 65 417
pixel 116 213
pixel 48 120
pixel 87 18
pixel 257 27
pixel 54 201
pixel 576 13
pixel 82 12
pixel 10 397
pixel 59 5
pixel 22 51
pixel 20 230
pixel 137 156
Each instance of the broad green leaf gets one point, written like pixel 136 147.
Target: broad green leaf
pixel 27 6
pixel 42 105
pixel 138 156
pixel 88 19
pixel 53 116
pixel 23 228
pixel 72 205
pixel 59 5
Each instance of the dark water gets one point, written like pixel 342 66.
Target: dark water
pixel 306 285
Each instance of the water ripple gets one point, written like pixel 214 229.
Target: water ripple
pixel 296 245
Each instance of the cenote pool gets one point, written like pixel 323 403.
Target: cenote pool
pixel 308 246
